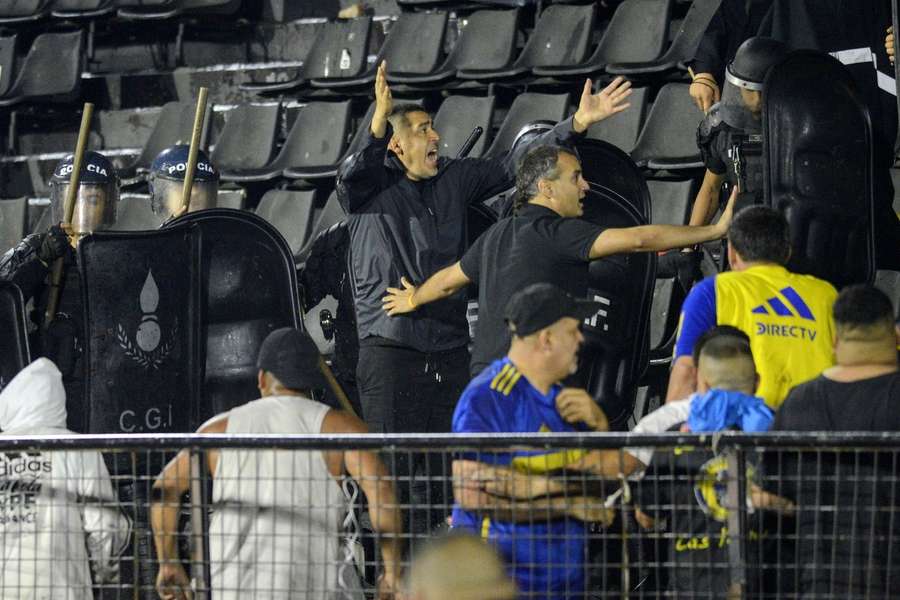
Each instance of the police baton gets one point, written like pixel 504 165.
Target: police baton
pixel 56 274
pixel 336 388
pixel 199 117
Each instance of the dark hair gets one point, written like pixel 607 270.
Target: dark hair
pixel 538 163
pixel 863 306
pixel 719 349
pixel 400 112
pixel 760 234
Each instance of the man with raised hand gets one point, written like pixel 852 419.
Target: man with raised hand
pixel 408 210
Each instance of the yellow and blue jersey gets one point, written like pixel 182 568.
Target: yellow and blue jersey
pixel 787 316
pixel 545 558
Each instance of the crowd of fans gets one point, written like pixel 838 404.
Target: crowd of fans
pixel 759 348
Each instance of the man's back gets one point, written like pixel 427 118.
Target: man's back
pixel 787 317
pixel 849 540
pixel 277 513
pixel 535 246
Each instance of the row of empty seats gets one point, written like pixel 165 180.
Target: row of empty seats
pixel 250 146
pixel 24 11
pixel 560 46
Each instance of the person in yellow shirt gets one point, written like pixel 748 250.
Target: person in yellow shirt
pixel 787 316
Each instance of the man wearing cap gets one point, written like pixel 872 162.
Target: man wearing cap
pixel 542 539
pixel 544 241
pixel 277 514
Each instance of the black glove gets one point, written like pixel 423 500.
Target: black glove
pixel 54 245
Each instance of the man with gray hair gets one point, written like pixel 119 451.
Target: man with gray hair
pixel 544 241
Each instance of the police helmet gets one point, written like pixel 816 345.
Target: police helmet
pixel 528 133
pixel 167 181
pixel 753 60
pixel 96 202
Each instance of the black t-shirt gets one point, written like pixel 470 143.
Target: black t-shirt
pixel 535 246
pixel 826 405
pixel 849 540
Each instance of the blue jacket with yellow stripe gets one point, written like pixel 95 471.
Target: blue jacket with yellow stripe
pixel 545 558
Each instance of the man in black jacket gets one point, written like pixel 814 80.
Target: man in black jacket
pixel 407 212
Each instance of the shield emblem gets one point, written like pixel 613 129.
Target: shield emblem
pixel 141 299
pixel 14 351
pixel 817 150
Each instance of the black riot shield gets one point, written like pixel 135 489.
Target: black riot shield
pixel 817 150
pixel 616 350
pixel 249 288
pixel 14 352
pixel 141 299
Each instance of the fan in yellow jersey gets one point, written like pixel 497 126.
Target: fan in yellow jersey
pixel 787 316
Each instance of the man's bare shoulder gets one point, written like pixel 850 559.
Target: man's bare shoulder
pixel 339 421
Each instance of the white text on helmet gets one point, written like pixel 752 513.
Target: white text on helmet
pixel 67 170
pixel 181 167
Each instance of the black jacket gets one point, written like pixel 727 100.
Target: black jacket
pixel 403 228
pixel 731 25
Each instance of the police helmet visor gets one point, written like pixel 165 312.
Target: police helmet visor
pixel 95 206
pixel 167 193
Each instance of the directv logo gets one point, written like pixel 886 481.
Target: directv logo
pixel 775 306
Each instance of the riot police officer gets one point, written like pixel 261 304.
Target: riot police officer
pixel 730 136
pixel 167 181
pixel 28 265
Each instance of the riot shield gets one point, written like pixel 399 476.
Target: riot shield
pixel 615 352
pixel 141 302
pixel 817 150
pixel 249 288
pixel 14 351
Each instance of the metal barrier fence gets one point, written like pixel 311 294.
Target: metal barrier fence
pixel 574 516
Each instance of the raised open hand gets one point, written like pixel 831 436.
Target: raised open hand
pixel 593 108
pixel 384 102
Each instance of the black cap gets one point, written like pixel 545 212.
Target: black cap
pixel 290 355
pixel 543 304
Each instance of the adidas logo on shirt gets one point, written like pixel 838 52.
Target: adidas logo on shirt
pixel 794 308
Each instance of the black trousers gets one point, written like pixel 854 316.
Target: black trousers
pixel 406 391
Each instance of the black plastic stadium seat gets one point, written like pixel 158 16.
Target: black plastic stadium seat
pixel 136 214
pixel 174 126
pixel 671 206
pixel 248 139
pixel 889 283
pixel 339 50
pixel 12 222
pixel 414 46
pixel 455 120
pixel 52 69
pixel 313 147
pixel 292 213
pixel 317 147
pixel 669 138
pixel 167 10
pixel 562 36
pixel 527 108
pixel 683 47
pixel 637 32
pixel 621 130
pixel 7 62
pixel 71 9
pixel 331 214
pixel 487 42
pixel 20 11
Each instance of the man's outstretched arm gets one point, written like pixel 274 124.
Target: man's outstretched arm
pixel 654 238
pixel 442 284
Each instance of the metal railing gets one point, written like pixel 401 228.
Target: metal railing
pixel 729 515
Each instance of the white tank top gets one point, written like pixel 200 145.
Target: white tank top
pixel 275 530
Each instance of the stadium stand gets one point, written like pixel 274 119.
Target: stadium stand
pixel 527 108
pixel 422 31
pixel 248 139
pixel 668 139
pixel 622 129
pixel 544 47
pixel 292 213
pixel 173 126
pixel 13 221
pixel 82 9
pixel 637 32
pixel 457 117
pixel 19 11
pixel 50 71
